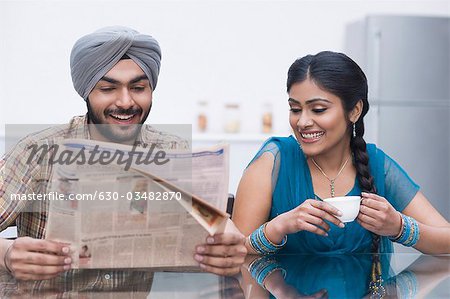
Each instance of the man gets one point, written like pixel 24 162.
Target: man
pixel 115 70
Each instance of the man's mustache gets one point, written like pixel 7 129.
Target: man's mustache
pixel 129 111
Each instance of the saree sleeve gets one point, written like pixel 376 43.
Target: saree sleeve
pixel 399 187
pixel 272 148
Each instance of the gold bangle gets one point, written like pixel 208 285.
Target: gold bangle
pixel 283 242
pixel 411 234
pixel 249 241
pixel 253 262
pixel 401 227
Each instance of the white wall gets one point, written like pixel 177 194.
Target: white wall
pixel 215 50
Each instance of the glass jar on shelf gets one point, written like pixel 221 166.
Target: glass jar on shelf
pixel 267 118
pixel 202 116
pixel 232 122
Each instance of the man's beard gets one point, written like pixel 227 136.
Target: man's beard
pixel 115 132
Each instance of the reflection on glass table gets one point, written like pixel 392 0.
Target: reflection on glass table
pixel 283 276
pixel 184 282
pixel 345 276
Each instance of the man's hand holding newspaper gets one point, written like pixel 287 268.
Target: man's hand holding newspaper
pixel 223 253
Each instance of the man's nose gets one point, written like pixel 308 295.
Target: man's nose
pixel 125 99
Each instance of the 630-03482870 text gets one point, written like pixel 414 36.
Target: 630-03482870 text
pixel 99 195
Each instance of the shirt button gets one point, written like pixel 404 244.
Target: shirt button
pixel 107 276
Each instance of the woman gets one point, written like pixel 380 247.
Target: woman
pixel 281 190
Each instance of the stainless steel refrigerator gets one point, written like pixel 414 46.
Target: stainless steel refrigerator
pixel 407 62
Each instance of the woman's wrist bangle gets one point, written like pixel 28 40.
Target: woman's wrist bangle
pixel 281 245
pixel 259 242
pixel 410 232
pixel 263 282
pixel 263 267
pixel 401 227
pixel 407 284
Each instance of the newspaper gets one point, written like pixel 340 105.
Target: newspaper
pixel 124 214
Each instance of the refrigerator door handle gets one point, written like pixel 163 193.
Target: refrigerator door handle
pixel 376 63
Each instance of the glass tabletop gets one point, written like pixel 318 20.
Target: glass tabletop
pixel 399 275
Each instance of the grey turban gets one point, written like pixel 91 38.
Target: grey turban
pixel 95 54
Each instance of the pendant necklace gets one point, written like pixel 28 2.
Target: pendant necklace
pixel 328 178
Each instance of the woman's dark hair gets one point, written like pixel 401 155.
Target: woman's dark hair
pixel 341 76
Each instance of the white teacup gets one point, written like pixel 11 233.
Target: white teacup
pixel 348 205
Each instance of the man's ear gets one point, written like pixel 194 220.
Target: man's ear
pixel 356 112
